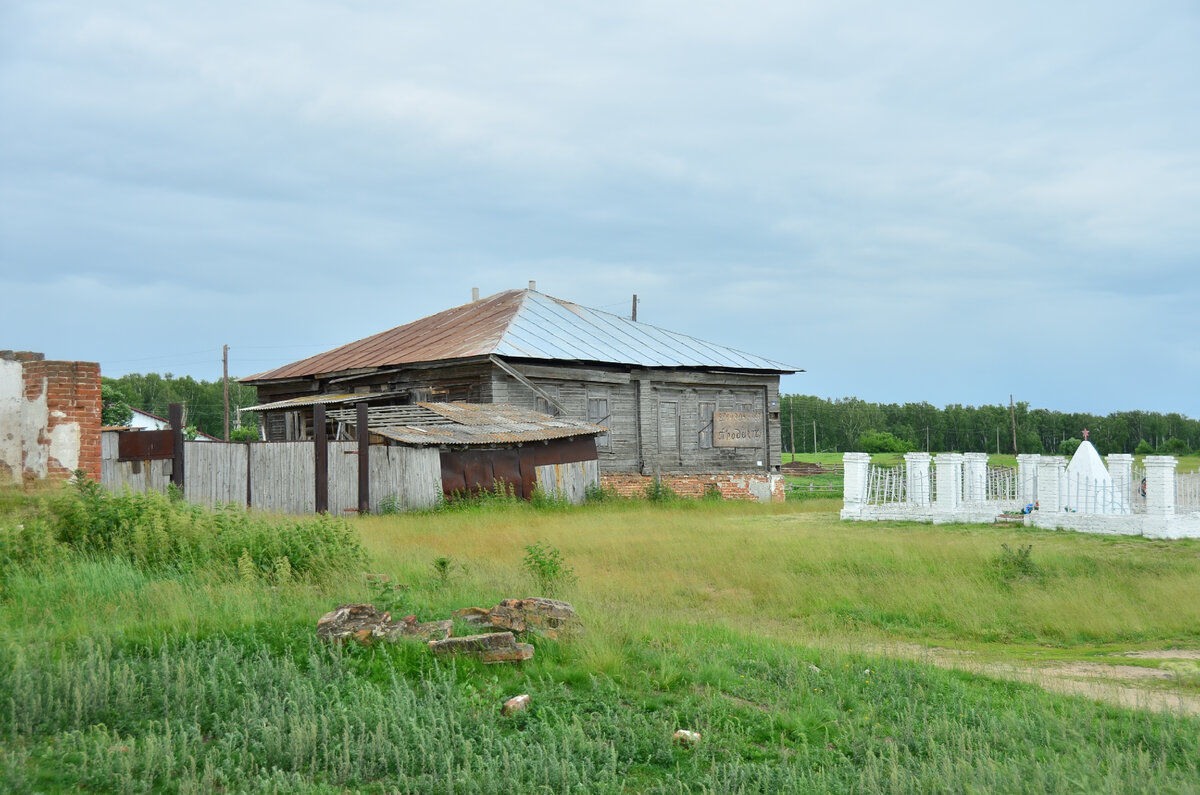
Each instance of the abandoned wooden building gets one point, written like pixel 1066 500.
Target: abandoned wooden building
pixel 701 416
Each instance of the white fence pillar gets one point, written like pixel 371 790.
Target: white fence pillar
pixel 949 480
pixel 1160 485
pixel 916 468
pixel 1120 469
pixel 975 477
pixel 1051 476
pixel 1027 477
pixel 856 466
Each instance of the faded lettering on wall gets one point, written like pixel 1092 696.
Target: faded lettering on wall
pixel 738 429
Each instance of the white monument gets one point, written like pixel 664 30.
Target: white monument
pixel 1089 486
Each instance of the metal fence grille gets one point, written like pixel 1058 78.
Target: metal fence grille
pixel 1137 489
pixel 1002 484
pixel 1187 492
pixel 887 485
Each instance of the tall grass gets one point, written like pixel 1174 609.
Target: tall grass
pixel 796 570
pixel 118 673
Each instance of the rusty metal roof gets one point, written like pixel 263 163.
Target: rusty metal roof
pixel 466 424
pixel 524 324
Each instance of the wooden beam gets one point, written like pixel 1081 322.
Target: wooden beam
pixel 175 417
pixel 321 462
pixel 364 460
pixel 503 365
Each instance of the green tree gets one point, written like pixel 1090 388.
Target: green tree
pixel 115 409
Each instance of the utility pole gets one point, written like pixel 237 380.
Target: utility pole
pixel 1012 412
pixel 225 378
pixel 792 425
pixel 634 316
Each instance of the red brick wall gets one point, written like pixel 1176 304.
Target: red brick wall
pixel 72 393
pixel 733 486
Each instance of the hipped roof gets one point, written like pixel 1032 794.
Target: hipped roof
pixel 523 324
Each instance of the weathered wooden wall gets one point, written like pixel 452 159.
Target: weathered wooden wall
pixel 215 472
pixel 282 475
pixel 655 415
pixel 569 481
pixel 136 476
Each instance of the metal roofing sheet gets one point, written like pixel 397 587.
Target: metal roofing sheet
pixel 329 400
pixel 484 424
pixel 526 324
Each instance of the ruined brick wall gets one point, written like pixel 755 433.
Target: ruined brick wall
pixel 732 486
pixel 49 418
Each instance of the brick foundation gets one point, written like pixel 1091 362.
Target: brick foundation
pixel 731 485
pixel 49 418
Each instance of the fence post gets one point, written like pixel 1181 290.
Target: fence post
pixel 175 418
pixel 854 487
pixel 363 432
pixel 1160 485
pixel 916 471
pixel 1027 477
pixel 949 481
pixel 321 461
pixel 1120 469
pixel 1051 472
pixel 974 477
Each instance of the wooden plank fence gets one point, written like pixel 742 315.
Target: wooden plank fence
pixel 281 476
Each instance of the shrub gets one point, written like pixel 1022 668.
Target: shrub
pixel 882 442
pixel 1174 446
pixel 155 531
pixel 1143 448
pixel 1013 565
pixel 1069 446
pixel 546 565
pixel 658 491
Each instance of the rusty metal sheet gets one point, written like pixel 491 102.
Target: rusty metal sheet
pixel 738 429
pixel 506 466
pixel 453 480
pixel 565 451
pixel 145 445
pixel 477 470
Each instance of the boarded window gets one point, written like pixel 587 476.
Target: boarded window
pixel 668 427
pixel 545 406
pixel 707 409
pixel 598 415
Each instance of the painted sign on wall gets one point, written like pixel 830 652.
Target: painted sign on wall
pixel 738 429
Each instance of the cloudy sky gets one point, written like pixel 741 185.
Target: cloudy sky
pixel 911 201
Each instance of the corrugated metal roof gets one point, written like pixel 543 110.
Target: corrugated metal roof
pixel 530 325
pixel 466 424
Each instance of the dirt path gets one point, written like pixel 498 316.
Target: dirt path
pixel 1132 686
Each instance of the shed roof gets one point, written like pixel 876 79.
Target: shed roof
pixel 524 324
pixel 467 424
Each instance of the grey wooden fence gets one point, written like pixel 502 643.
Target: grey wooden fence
pixel 281 476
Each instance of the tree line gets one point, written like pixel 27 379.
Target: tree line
pixel 203 401
pixel 811 423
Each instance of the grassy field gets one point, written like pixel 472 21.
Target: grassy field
pixel 765 628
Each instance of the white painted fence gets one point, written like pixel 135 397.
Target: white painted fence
pixel 1150 500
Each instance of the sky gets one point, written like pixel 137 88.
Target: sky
pixel 923 201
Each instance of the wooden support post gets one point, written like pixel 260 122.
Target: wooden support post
pixel 321 467
pixel 225 382
pixel 364 460
pixel 175 417
pixel 249 477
